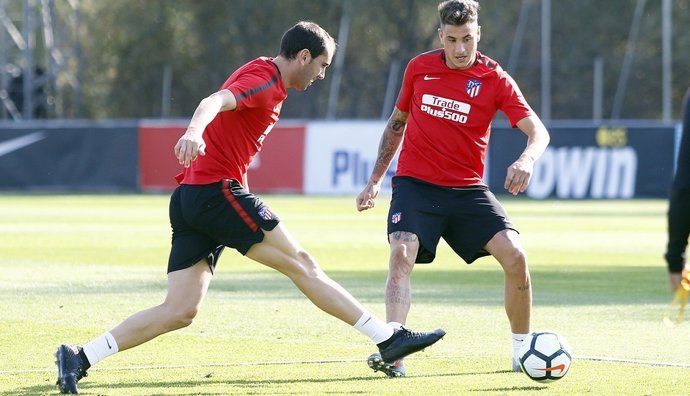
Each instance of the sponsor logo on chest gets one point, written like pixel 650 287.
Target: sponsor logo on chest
pixel 445 108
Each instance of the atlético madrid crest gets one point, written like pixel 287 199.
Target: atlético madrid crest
pixel 473 87
pixel 265 213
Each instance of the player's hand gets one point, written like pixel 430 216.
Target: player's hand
pixel 519 174
pixel 674 280
pixel 367 198
pixel 680 279
pixel 190 145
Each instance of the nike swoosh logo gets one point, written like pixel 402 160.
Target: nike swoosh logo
pixel 560 368
pixel 15 144
pixel 427 78
pixel 108 342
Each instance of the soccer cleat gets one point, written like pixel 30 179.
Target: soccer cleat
pixel 393 370
pixel 516 366
pixel 404 342
pixel 70 368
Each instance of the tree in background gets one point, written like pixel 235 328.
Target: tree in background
pixel 130 46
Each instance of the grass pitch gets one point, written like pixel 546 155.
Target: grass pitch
pixel 73 266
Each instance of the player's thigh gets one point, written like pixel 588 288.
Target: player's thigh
pixel 504 243
pixel 223 213
pixel 189 244
pixel 506 247
pixel 281 251
pixel 404 247
pixel 414 219
pixel 187 287
pixel 476 218
pixel 227 212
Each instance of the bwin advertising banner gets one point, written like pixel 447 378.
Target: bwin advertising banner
pixel 591 163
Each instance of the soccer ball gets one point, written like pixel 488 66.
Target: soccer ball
pixel 545 356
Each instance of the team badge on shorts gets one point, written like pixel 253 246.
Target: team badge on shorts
pixel 473 87
pixel 265 213
pixel 395 218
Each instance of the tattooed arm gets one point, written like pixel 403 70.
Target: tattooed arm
pixel 390 141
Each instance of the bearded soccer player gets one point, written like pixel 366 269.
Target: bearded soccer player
pixel 212 208
pixel 442 119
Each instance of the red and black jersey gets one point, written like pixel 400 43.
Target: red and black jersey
pixel 450 113
pixel 234 137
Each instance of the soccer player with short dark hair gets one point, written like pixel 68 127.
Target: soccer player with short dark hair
pixel 212 208
pixel 443 120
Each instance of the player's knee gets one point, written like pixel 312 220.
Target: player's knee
pixel 401 258
pixel 307 264
pixel 515 262
pixel 182 317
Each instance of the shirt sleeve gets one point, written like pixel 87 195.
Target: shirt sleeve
pixel 406 90
pixel 510 101
pixel 252 90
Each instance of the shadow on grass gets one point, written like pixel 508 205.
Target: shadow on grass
pixel 511 389
pixel 268 385
pixel 604 284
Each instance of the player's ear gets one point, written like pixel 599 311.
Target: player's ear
pixel 440 35
pixel 479 33
pixel 304 56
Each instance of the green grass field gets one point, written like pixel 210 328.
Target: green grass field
pixel 73 266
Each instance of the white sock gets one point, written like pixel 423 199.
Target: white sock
pixel 374 328
pixel 395 325
pixel 517 342
pixel 100 348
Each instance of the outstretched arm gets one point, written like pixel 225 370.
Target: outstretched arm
pixel 192 142
pixel 390 141
pixel 520 172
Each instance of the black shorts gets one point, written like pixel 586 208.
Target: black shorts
pixel 206 218
pixel 467 218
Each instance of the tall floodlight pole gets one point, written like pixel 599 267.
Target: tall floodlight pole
pixel 519 34
pixel 627 60
pixel 28 66
pixel 666 59
pixel 546 60
pixel 4 48
pixel 343 33
pixel 598 96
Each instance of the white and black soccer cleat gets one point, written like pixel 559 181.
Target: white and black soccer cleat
pixel 393 370
pixel 70 368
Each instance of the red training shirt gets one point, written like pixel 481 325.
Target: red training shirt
pixel 234 137
pixel 450 113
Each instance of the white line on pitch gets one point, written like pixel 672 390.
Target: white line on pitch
pixel 328 361
pixel 631 361
pixel 179 366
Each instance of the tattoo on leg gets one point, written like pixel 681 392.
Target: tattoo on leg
pixel 395 280
pixel 525 287
pixel 404 236
pixel 398 295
